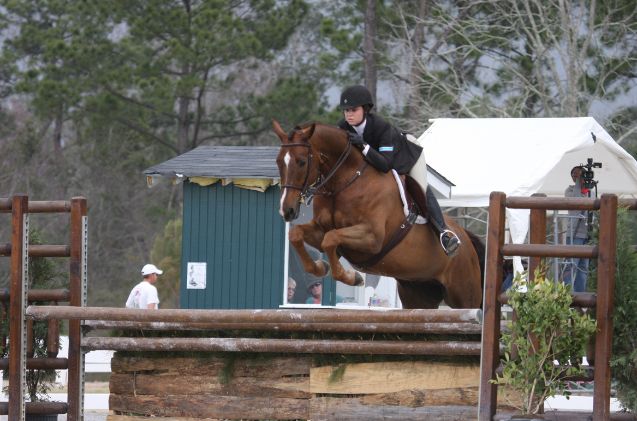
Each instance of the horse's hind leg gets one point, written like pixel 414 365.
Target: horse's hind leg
pixel 427 294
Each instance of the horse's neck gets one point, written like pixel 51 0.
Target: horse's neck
pixel 330 145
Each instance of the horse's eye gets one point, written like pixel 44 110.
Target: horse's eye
pixel 301 162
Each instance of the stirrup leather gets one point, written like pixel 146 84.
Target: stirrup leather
pixel 452 246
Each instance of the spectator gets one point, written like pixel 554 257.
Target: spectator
pixel 291 289
pixel 576 270
pixel 144 294
pixel 315 289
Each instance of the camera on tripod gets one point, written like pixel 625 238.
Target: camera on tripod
pixel 588 174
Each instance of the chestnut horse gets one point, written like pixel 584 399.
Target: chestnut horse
pixel 357 210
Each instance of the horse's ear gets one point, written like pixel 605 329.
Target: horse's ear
pixel 309 131
pixel 278 130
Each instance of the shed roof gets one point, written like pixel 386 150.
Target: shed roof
pixel 233 163
pixel 221 162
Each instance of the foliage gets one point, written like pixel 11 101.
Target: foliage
pixel 624 353
pixel 42 275
pixel 517 58
pixel 546 329
pixel 166 254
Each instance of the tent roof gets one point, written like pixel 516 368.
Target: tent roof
pixel 522 156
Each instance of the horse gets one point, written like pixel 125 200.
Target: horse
pixel 358 214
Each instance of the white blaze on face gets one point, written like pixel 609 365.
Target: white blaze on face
pixel 286 159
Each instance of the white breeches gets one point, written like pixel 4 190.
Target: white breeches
pixel 419 170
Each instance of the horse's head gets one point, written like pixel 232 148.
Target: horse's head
pixel 296 167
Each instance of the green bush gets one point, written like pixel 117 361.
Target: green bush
pixel 624 353
pixel 546 329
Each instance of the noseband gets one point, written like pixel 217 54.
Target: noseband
pixel 308 191
pixel 304 188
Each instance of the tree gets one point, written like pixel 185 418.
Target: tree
pixel 166 252
pixel 523 58
pixel 178 68
pixel 174 72
pixel 50 51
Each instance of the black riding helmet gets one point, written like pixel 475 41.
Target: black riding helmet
pixel 354 96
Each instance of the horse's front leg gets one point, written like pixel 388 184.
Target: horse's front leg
pixel 312 234
pixel 357 238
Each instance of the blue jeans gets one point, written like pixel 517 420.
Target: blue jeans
pixel 508 281
pixel 576 268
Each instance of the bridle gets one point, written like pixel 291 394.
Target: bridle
pixel 304 188
pixel 309 190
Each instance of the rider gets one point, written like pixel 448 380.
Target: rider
pixel 386 148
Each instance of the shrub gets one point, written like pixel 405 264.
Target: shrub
pixel 546 329
pixel 624 353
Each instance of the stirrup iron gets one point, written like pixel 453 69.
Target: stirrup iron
pixel 453 246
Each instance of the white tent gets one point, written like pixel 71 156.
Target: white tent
pixel 522 156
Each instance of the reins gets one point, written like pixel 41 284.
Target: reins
pixel 309 191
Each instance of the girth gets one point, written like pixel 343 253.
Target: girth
pixel 398 235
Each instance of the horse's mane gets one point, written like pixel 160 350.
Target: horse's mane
pixel 318 126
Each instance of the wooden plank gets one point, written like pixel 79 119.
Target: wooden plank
pixel 537 234
pixel 344 409
pixel 174 384
pixel 242 367
pixel 389 377
pixel 19 290
pixel 111 417
pixel 211 406
pixel 77 298
pixel 466 396
pixel 121 364
pixel 491 307
pixel 605 303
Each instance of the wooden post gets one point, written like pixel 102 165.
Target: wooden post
pixel 53 338
pixel 17 304
pixel 606 261
pixel 77 287
pixel 537 235
pixel 488 399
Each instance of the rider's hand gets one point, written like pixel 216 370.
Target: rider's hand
pixel 356 139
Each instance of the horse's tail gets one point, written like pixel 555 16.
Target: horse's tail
pixel 480 249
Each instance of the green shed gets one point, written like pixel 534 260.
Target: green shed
pixel 235 252
pixel 233 239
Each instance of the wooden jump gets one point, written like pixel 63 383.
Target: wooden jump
pixel 344 327
pixel 255 316
pixel 299 346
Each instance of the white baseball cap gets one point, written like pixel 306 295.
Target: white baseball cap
pixel 148 269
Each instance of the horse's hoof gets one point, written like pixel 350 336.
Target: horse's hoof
pixel 327 269
pixel 358 280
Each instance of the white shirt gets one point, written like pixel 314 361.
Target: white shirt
pixel 143 294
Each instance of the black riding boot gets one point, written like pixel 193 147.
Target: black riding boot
pixel 448 239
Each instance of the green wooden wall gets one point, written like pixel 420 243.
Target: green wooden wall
pixel 240 234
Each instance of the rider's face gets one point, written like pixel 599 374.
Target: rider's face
pixel 354 116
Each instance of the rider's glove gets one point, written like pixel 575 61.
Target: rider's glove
pixel 356 140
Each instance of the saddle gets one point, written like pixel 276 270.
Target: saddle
pixel 414 191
